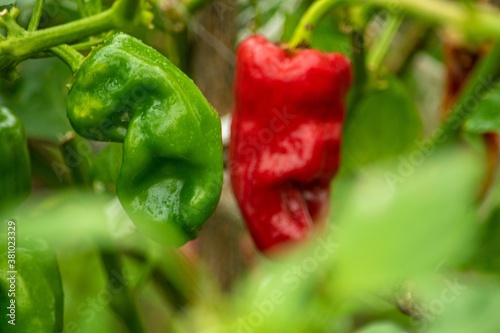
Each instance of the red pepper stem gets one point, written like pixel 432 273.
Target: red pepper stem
pixel 303 33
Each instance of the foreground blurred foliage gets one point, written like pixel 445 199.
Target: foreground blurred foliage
pixel 389 240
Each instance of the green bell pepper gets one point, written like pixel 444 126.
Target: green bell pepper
pixel 32 298
pixel 171 175
pixel 15 170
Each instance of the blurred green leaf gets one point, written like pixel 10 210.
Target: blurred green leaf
pixel 385 123
pixel 284 296
pixel 388 233
pixel 39 98
pixel 474 309
pixel 488 243
pixel 7 2
pixel 63 216
pixel 381 328
pixel 486 116
pixel 327 37
pixel 86 302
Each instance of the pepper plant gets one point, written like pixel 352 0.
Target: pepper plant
pixel 351 185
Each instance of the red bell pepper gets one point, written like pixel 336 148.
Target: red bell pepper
pixel 285 137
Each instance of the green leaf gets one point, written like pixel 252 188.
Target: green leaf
pixel 63 216
pixel 384 124
pixel 382 327
pixel 390 233
pixel 39 98
pixel 8 2
pixel 486 116
pixel 488 243
pixel 472 308
pixel 327 37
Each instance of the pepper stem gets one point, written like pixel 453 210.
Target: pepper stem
pixel 303 33
pixel 69 55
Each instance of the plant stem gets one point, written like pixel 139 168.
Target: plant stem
pixel 359 57
pixel 8 21
pixel 81 8
pixel 121 301
pixel 360 73
pixel 94 7
pixel 35 16
pixel 88 44
pixel 33 42
pixel 480 82
pixel 471 21
pixel 69 55
pixel 258 15
pixel 476 22
pixel 379 50
pixel 25 44
pixel 303 33
pixel 438 11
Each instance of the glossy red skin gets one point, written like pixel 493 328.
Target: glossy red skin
pixel 285 137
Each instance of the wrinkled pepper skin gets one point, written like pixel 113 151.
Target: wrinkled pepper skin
pixel 171 175
pixel 38 290
pixel 15 170
pixel 285 137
